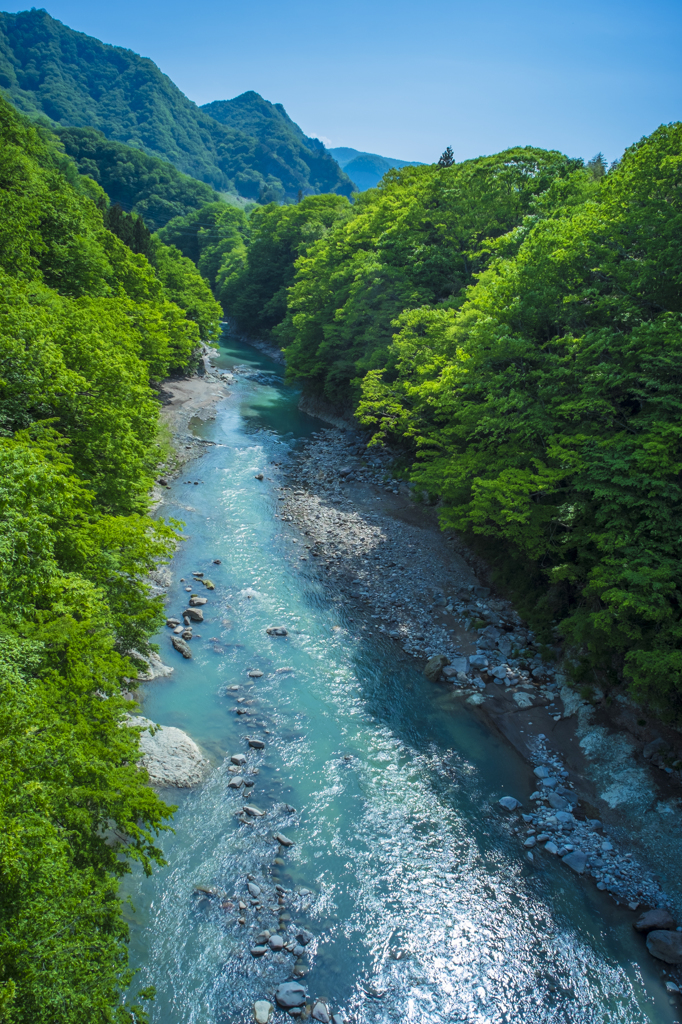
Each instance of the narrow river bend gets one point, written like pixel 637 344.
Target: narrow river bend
pixel 421 905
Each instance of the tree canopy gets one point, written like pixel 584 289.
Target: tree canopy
pixel 85 325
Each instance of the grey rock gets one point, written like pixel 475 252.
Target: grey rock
pixel 195 614
pixel 523 700
pixel 564 817
pixel 321 1013
pixel 577 860
pixel 541 772
pixel 170 756
pixel 258 950
pixel 654 920
pixel 172 622
pixel 254 890
pixel 276 631
pixel 290 994
pixel 549 783
pixel 254 812
pixel 155 667
pixel 559 803
pixel 304 936
pixel 478 661
pixel 276 943
pixel 283 840
pixel 182 646
pixel 262 1011
pixel 238 759
pixel 236 782
pixel 434 667
pixel 510 803
pixel 666 946
pixel 551 847
pixel 298 950
pixel 196 601
pixel 530 842
pixel 337 1019
pixel 257 744
pixel 654 747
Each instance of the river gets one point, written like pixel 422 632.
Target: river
pixel 421 904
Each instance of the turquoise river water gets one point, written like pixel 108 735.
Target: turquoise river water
pixel 421 904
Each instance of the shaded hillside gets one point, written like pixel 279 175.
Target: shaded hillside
pixel 55 74
pixel 289 155
pixel 366 169
pixel 140 183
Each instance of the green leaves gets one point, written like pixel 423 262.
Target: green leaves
pixel 546 409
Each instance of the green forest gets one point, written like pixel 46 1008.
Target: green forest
pixel 246 146
pixel 511 324
pixel 88 327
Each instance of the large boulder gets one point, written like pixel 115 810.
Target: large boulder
pixel 195 614
pixel 434 667
pixel 290 994
pixel 666 946
pixel 181 646
pixel 655 920
pixel 171 757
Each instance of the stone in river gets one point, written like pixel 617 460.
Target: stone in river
pixel 182 646
pixel 259 476
pixel 255 673
pixel 282 839
pixel 276 631
pixel 655 920
pixel 195 614
pixel 551 847
pixel 258 950
pixel 195 601
pixel 171 757
pixel 254 889
pixel 236 782
pixel 262 1011
pixel 304 936
pixel 257 744
pixel 510 803
pixel 321 1012
pixel 434 667
pixel 276 943
pixel 290 994
pixel 666 946
pixel 238 759
pixel 523 700
pixel 337 1019
pixel 577 860
pixel 253 811
pixel 530 841
pixel 298 950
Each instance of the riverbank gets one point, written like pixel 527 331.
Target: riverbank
pixel 359 528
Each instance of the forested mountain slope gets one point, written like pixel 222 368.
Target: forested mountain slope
pixel 50 71
pixel 367 169
pixel 85 325
pixel 288 154
pixel 143 184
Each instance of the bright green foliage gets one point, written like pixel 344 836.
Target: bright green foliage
pixel 142 184
pixel 215 235
pixel 84 324
pixel 67 78
pixel 547 410
pixel 253 287
pixel 415 240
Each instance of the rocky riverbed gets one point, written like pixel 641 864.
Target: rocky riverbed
pixel 354 523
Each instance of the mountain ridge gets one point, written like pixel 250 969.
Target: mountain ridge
pixel 60 76
pixel 367 169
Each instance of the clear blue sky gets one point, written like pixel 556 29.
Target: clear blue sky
pixel 406 79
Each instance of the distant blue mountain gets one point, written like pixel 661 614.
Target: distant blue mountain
pixel 366 169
